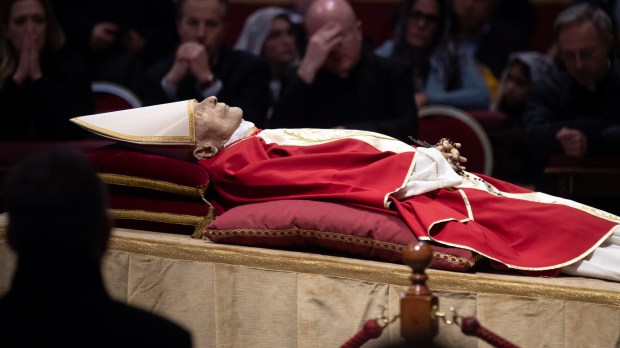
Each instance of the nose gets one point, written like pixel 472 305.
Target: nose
pixel 201 32
pixel 30 26
pixel 578 62
pixel 289 39
pixel 422 22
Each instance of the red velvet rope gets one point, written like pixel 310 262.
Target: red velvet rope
pixel 471 327
pixel 371 329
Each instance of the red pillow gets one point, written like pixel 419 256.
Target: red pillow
pixel 117 166
pixel 153 192
pixel 338 228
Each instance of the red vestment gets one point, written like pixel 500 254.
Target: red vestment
pixel 504 223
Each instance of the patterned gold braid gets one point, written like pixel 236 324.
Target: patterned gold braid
pixel 297 135
pixel 171 140
pixel 369 242
pixel 160 185
pixel 178 139
pixel 199 222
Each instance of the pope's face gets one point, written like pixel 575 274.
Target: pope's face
pixel 215 124
pixel 225 116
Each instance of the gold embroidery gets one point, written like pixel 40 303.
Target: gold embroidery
pixel 191 104
pixel 142 139
pixel 296 134
pixel 199 222
pixel 562 289
pixel 432 160
pixel 181 140
pixel 169 218
pixel 165 186
pixel 368 242
pixel 600 213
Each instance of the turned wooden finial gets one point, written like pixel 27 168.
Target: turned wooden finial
pixel 418 256
pixel 418 325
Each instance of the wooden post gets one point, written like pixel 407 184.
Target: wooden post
pixel 418 325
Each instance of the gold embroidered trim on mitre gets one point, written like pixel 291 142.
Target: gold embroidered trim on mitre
pixel 368 242
pixel 171 140
pixel 191 105
pixel 160 185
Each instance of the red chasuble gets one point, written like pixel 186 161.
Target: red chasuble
pixel 519 228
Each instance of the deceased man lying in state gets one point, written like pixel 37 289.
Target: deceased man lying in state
pixel 428 187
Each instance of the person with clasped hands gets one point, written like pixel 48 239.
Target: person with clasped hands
pixel 203 65
pixel 43 83
pixel 576 111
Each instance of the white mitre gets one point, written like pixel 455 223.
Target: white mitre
pixel 171 129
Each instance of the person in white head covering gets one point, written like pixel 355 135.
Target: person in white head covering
pixel 269 33
pixel 522 71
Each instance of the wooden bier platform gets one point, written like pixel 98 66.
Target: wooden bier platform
pixel 235 296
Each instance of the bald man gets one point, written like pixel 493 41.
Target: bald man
pixel 342 84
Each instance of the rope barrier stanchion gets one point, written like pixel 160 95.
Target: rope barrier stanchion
pixel 371 329
pixel 471 327
pixel 419 314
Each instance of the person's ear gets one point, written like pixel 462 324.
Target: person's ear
pixel 358 28
pixel 203 152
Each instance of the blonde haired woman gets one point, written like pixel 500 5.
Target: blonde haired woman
pixel 42 83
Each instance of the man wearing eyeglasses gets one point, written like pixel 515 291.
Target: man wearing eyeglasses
pixel 342 84
pixel 576 111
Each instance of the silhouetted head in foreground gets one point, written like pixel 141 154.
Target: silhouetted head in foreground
pixel 56 206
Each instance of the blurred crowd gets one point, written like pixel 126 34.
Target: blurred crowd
pixel 311 64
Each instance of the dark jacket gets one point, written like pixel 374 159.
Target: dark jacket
pixel 558 101
pixel 41 110
pixel 376 96
pixel 60 301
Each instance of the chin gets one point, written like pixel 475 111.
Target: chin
pixel 342 69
